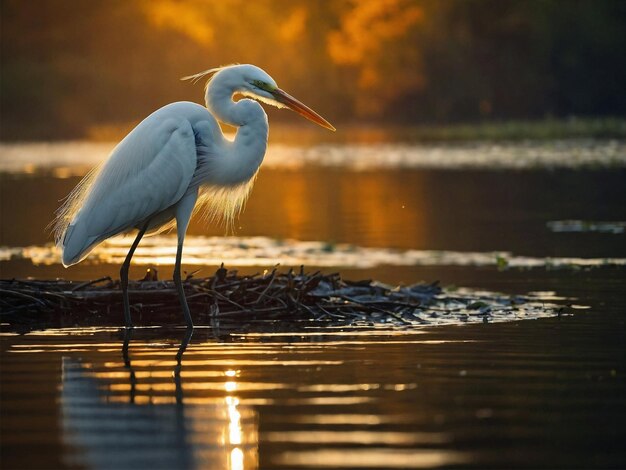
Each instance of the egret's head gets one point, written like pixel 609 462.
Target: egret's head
pixel 254 82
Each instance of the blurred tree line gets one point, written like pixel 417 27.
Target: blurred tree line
pixel 69 68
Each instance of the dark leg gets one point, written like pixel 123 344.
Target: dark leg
pixel 124 276
pixel 179 365
pixel 179 286
pixel 128 334
pixel 183 213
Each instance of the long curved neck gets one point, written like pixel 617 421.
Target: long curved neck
pixel 245 154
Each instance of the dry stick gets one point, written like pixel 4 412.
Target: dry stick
pixel 23 296
pixel 248 311
pixel 246 280
pixel 269 284
pixel 310 310
pixel 18 308
pixel 35 283
pixel 388 312
pixel 208 292
pixel 278 299
pixel 82 285
pixel 337 315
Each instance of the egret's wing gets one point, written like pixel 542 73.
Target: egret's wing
pixel 149 171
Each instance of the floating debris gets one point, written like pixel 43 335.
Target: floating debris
pixel 582 226
pixel 291 296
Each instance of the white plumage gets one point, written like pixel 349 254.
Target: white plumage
pixel 174 160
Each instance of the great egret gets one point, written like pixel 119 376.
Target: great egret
pixel 173 163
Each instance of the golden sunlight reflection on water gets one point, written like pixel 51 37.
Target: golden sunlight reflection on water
pixel 203 251
pixel 159 404
pixel 371 458
pixel 75 158
pixel 215 432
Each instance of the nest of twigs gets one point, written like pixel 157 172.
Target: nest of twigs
pixel 291 295
pixel 281 297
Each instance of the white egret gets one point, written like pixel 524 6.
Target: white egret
pixel 173 163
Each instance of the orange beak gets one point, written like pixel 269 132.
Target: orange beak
pixel 301 108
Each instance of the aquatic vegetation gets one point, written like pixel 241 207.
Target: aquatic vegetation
pixel 581 226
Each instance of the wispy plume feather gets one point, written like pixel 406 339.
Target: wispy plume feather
pixel 222 204
pixel 195 78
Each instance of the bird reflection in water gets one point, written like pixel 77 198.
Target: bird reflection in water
pixel 138 430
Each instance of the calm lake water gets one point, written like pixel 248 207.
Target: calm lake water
pixel 549 219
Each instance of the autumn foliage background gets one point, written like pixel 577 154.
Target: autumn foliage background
pixel 74 69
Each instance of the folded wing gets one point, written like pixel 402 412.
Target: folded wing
pixel 147 173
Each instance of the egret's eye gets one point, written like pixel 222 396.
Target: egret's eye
pixel 263 85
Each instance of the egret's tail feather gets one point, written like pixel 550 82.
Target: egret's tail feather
pixel 68 236
pixel 76 244
pixel 70 207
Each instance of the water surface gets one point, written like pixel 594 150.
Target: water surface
pixel 522 394
pixel 523 218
